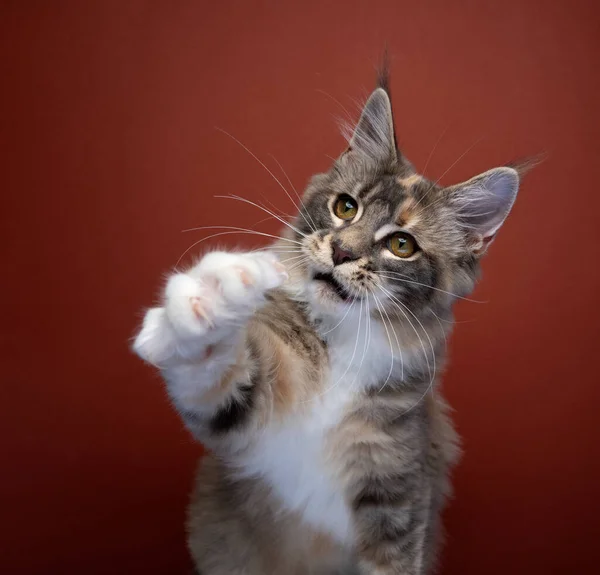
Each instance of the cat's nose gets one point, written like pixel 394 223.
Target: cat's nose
pixel 341 255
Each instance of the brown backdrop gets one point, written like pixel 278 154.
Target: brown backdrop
pixel 109 150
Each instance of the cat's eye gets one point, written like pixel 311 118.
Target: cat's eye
pixel 402 245
pixel 345 207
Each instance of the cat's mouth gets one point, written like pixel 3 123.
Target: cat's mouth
pixel 336 287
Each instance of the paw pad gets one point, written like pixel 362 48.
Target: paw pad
pixel 199 310
pixel 245 277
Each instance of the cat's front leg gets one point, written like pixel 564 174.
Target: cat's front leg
pixel 389 492
pixel 198 337
pixel 391 529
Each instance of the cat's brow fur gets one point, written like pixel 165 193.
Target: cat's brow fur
pixel 329 442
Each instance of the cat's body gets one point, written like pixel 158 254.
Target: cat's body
pixel 313 380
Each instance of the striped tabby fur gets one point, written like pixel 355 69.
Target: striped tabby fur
pixel 310 370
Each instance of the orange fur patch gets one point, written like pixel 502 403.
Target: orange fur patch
pixel 406 213
pixel 410 181
pixel 323 546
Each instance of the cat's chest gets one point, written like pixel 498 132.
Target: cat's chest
pixel 295 456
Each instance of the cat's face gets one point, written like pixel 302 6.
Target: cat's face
pixel 372 227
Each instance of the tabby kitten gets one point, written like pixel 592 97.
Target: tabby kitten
pixel 309 369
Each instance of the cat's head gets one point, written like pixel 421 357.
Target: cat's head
pixel 372 226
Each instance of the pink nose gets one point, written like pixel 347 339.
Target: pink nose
pixel 340 255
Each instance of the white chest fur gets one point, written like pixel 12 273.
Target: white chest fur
pixel 292 459
pixel 292 456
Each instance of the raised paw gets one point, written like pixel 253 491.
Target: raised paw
pixel 206 304
pixel 221 289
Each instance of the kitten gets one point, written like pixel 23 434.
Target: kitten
pixel 309 370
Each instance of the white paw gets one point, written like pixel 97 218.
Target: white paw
pixel 156 342
pixel 217 294
pixel 222 288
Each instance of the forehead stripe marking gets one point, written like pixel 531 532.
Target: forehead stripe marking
pixel 406 212
pixel 410 181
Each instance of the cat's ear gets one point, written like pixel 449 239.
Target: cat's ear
pixel 483 203
pixel 373 137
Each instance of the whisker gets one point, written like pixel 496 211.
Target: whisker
pixel 246 201
pixel 303 256
pixel 285 247
pixel 451 166
pixel 388 275
pixel 273 207
pixel 294 258
pixel 276 247
pixel 367 327
pixel 262 221
pixel 397 304
pixel 390 342
pixel 439 320
pixel 434 148
pixel 397 343
pixel 338 324
pixel 477 141
pixel 261 163
pixel 252 232
pixel 279 252
pixel 298 264
pixel 313 227
pixel 336 101
pixel 369 318
pixel 353 354
pixel 243 230
pixel 365 346
pixel 432 375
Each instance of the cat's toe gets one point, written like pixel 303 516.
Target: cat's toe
pixel 273 272
pixel 154 342
pixel 190 305
pixel 242 279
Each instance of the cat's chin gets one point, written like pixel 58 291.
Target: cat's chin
pixel 327 296
pixel 331 287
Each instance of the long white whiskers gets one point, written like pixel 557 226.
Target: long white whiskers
pixel 395 337
pixel 390 275
pixel 432 375
pixel 434 184
pixel 366 344
pixel 235 231
pixel 398 303
pixel 246 201
pixel 262 164
pixel 389 340
pixel 434 149
pixel 313 227
pixel 339 322
pixel 246 230
pixel 441 327
pixel 351 359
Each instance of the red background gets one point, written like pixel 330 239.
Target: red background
pixel 109 150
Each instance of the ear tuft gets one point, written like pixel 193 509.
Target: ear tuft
pixel 373 136
pixel 525 165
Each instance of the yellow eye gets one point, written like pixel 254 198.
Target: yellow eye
pixel 402 245
pixel 345 207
